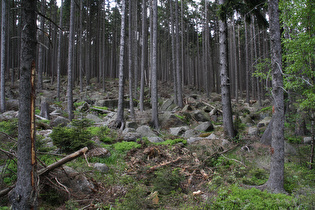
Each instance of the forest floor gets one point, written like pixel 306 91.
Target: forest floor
pixel 174 174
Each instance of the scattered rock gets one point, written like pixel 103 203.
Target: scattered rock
pixel 94 118
pixel 145 131
pixel 193 139
pixel 62 121
pixel 190 133
pixel 178 131
pixel 205 127
pixel 9 115
pixel 253 131
pixel 201 116
pixel 155 139
pixel 12 104
pixel 84 107
pixel 98 152
pixel 264 122
pixel 169 120
pixel 307 140
pixel 167 105
pixel 101 167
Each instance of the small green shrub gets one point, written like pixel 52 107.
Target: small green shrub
pixel 105 134
pixel 9 127
pixel 125 146
pixel 167 180
pixel 238 198
pixel 73 138
pixel 257 176
pixel 294 139
pixel 135 198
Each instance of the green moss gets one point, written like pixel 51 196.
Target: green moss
pixel 172 142
pixel 125 146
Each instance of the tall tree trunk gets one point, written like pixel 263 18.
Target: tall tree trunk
pixel 81 47
pixel 3 56
pixel 130 60
pixel 120 113
pixel 144 52
pixel 276 178
pixel 70 63
pixel 40 65
pixel 154 91
pixel 59 52
pixel 24 195
pixel 246 62
pixel 178 67
pixel 225 83
pixel 173 52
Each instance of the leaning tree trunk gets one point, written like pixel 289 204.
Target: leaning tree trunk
pixel 120 113
pixel 225 80
pixel 276 178
pixel 24 194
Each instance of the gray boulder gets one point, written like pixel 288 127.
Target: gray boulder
pixel 9 115
pixel 200 116
pixel 101 167
pixel 205 127
pixel 84 107
pixel 178 131
pixel 94 118
pixel 12 104
pixel 169 120
pixel 62 121
pixel 145 131
pixel 155 139
pixel 307 140
pixel 98 152
pixel 167 105
pixel 194 139
pixel 253 131
pixel 264 122
pixel 190 133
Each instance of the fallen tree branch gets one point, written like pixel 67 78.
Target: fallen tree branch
pixel 153 168
pixel 213 107
pixel 234 160
pixel 51 167
pixel 62 161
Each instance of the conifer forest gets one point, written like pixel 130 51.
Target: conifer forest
pixel 157 104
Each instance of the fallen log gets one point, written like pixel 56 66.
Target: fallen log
pixel 51 167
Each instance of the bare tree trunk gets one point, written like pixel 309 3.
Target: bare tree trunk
pixel 144 52
pixel 24 194
pixel 178 67
pixel 81 47
pixel 131 60
pixel 40 47
pixel 173 53
pixel 275 182
pixel 225 83
pixel 120 113
pixel 3 56
pixel 70 63
pixel 154 91
pixel 59 52
pixel 246 62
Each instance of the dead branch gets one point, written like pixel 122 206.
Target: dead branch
pixel 153 168
pixel 234 160
pixel 51 167
pixel 63 161
pixel 9 154
pixel 213 107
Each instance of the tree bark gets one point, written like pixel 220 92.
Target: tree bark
pixel 24 194
pixel 120 113
pixel 3 56
pixel 154 91
pixel 144 52
pixel 59 51
pixel 276 179
pixel 178 67
pixel 70 63
pixel 225 80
